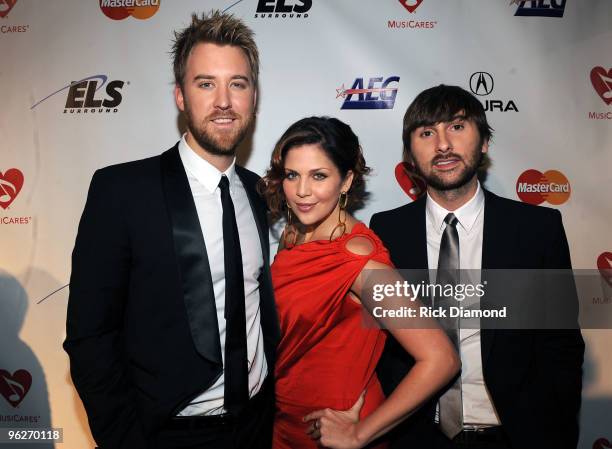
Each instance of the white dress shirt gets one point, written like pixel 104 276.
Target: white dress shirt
pixel 478 409
pixel 204 183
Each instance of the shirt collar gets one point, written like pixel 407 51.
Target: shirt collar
pixel 206 173
pixel 466 214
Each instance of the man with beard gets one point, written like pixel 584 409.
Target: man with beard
pixel 518 389
pixel 171 327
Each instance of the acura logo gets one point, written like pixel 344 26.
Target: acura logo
pixel 481 83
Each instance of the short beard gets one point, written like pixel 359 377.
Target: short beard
pixel 440 185
pixel 212 144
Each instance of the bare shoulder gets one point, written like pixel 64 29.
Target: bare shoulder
pixel 360 245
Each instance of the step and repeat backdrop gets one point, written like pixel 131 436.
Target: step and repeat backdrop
pixel 85 84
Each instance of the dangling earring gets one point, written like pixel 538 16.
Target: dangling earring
pixel 342 202
pixel 289 229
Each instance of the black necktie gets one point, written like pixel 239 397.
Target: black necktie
pixel 451 406
pixel 236 366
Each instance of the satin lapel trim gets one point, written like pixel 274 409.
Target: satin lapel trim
pixel 190 249
pixel 258 212
pixel 269 316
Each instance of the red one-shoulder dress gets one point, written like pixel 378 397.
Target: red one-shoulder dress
pixel 327 356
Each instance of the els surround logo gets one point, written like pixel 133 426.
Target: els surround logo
pixel 380 93
pixel 121 9
pixel 534 187
pixel 541 8
pixel 481 84
pixel 601 79
pixel 81 98
pixel 411 183
pixel 604 264
pixel 411 6
pixel 11 183
pixel 5 8
pixel 15 387
pixel 283 9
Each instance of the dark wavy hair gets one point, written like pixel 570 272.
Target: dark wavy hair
pixel 339 143
pixel 441 104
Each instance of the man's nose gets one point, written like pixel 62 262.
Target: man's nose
pixel 222 98
pixel 444 143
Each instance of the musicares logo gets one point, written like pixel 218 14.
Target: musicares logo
pixel 11 183
pixel 602 83
pixel 6 6
pixel 411 183
pixel 120 9
pixel 15 387
pixel 602 443
pixel 411 6
pixel 534 187
pixel 604 264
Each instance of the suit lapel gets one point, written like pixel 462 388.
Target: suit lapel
pixel 190 249
pixel 418 250
pixel 494 255
pixel 259 212
pixel 269 317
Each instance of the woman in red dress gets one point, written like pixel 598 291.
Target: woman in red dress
pixel 327 392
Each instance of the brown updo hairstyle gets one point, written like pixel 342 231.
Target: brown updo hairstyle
pixel 339 143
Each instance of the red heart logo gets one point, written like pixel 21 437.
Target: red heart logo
pixel 6 6
pixel 602 83
pixel 14 388
pixel 602 443
pixel 11 183
pixel 411 7
pixel 410 182
pixel 604 263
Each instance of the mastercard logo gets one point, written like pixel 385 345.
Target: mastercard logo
pixel 534 187
pixel 120 9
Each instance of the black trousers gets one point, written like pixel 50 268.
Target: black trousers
pixel 472 440
pixel 252 429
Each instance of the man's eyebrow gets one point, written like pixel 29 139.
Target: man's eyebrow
pixel 204 76
pixel 458 117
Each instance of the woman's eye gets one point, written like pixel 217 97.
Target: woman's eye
pixel 426 133
pixel 290 175
pixel 319 176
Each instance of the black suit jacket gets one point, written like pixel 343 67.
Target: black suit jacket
pixel 534 376
pixel 139 351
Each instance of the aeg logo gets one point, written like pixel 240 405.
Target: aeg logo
pixel 380 93
pixel 541 8
pixel 280 9
pixel 82 94
pixel 534 187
